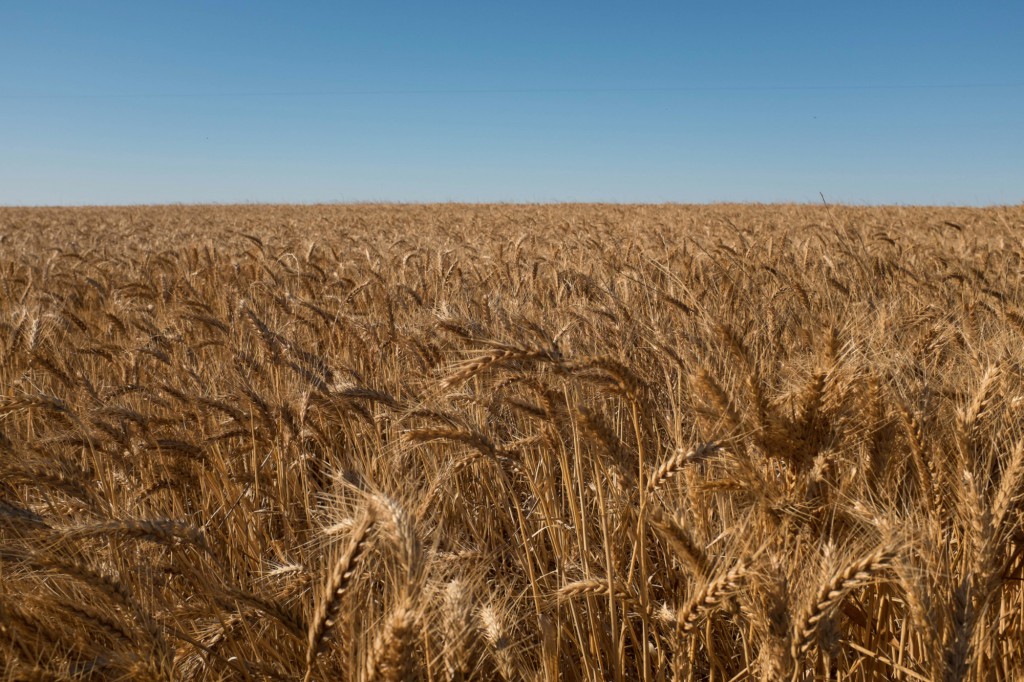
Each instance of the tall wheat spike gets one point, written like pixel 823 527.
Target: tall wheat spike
pixel 338 581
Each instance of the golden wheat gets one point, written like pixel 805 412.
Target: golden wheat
pixel 511 442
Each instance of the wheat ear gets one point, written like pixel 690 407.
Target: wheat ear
pixel 712 594
pixel 334 589
pixel 457 620
pixel 493 626
pixel 679 459
pixel 841 583
pixel 392 658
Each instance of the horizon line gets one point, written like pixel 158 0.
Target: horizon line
pixel 360 203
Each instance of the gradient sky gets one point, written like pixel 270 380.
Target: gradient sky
pixel 155 102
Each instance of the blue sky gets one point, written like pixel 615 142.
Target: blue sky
pixel 156 102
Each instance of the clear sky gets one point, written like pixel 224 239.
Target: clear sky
pixel 216 101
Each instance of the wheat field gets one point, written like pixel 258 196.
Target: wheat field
pixel 504 442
